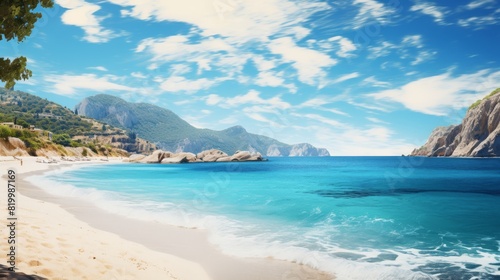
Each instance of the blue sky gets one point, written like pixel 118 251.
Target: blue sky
pixel 359 77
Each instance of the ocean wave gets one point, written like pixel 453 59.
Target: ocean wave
pixel 314 245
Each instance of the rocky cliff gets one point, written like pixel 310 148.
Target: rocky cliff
pixel 170 132
pixel 477 136
pixel 303 149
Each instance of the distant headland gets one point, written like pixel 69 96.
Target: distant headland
pixel 477 136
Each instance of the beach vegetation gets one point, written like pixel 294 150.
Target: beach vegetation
pixel 62 139
pixel 5 132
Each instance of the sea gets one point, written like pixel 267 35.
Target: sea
pixel 357 217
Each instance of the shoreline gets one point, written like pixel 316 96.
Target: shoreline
pixel 189 248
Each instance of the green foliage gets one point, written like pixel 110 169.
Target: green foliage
pixel 475 104
pixel 17 20
pixel 5 132
pixel 33 143
pixel 62 139
pixel 85 152
pixel 92 147
pixel 58 120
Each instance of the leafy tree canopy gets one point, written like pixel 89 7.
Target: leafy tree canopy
pixel 17 19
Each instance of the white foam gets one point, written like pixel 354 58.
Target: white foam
pixel 286 243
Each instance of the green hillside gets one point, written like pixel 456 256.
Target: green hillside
pixel 67 128
pixel 26 109
pixel 168 130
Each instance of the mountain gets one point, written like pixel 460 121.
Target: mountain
pixel 477 136
pixel 29 117
pixel 170 132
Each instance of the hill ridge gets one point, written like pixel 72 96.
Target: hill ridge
pixel 170 132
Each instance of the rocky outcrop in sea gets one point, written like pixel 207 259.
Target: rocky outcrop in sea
pixel 212 155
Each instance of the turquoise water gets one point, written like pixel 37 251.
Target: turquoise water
pixel 359 217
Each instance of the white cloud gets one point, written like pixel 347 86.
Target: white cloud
pixel 413 40
pixel 376 120
pixel 375 140
pixel 344 139
pixel 241 21
pixel 82 14
pixel 98 68
pixel 372 81
pixel 251 98
pixel 321 119
pixel 138 75
pixel 383 49
pixel 264 64
pixel 319 102
pixel 181 84
pixel 479 22
pixel 345 46
pixel 204 53
pixel 370 106
pixel 429 9
pixel 223 32
pixel 270 79
pixel 404 49
pixel 479 3
pixel 261 118
pixel 423 56
pixel 371 10
pixel 309 63
pixel 229 120
pixel 438 95
pixel 70 84
pixel 316 102
pixel 179 69
pixel 346 77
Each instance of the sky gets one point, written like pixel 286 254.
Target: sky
pixel 358 77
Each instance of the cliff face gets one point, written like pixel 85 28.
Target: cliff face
pixel 477 136
pixel 297 150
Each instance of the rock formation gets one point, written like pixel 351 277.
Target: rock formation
pixel 477 136
pixel 297 150
pixel 212 155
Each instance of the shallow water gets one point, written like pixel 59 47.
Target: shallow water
pixel 359 217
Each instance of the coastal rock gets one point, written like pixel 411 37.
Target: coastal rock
pixel 278 151
pixel 179 158
pixel 224 159
pixel 12 147
pixel 211 155
pixel 477 136
pixel 297 150
pixel 307 150
pixel 136 158
pixel 156 157
pixel 241 156
pixel 322 152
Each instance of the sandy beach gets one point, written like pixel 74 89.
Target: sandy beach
pixel 61 238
